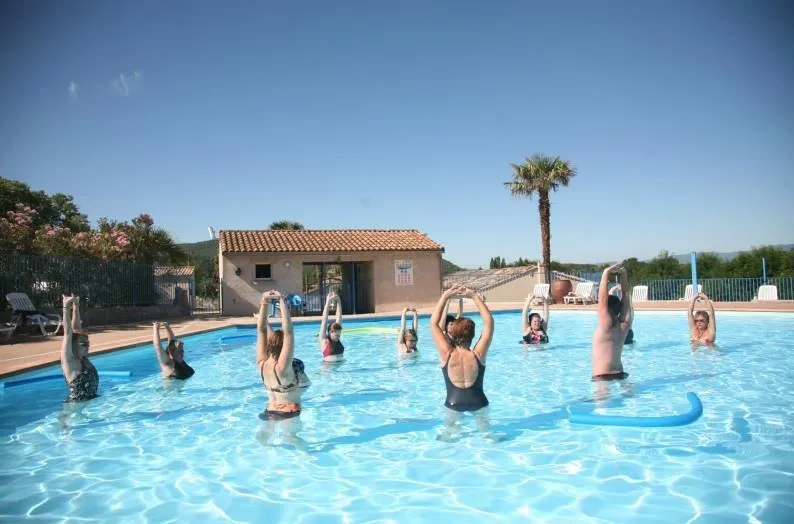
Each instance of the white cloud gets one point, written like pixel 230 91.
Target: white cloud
pixel 126 85
pixel 73 91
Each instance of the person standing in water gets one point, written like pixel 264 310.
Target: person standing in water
pixel 81 376
pixel 408 338
pixel 329 337
pixel 535 326
pixel 702 324
pixel 462 366
pixel 614 321
pixel 172 356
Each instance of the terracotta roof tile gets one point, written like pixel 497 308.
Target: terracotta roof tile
pixel 179 271
pixel 318 241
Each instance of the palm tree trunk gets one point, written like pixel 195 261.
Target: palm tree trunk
pixel 544 210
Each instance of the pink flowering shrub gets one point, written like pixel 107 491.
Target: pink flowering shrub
pixel 16 233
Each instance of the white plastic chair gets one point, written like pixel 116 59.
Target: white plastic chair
pixel 541 291
pixel 767 293
pixel 584 292
pixel 688 292
pixel 23 306
pixel 639 294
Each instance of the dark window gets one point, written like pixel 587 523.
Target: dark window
pixel 262 271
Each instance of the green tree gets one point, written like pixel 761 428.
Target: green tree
pixel 541 174
pixel 146 243
pixel 779 263
pixel 58 210
pixel 710 265
pixel 286 224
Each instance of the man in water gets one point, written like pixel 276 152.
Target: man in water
pixel 614 321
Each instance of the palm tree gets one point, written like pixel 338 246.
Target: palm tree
pixel 286 224
pixel 541 174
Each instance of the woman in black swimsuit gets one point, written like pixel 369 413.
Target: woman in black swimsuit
pixel 535 326
pixel 80 374
pixel 463 368
pixel 172 357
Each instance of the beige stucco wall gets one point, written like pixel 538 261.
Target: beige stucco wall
pixel 240 294
pixel 514 291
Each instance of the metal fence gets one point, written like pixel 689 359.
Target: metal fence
pixel 99 283
pixel 718 289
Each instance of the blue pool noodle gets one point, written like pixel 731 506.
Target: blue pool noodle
pixel 43 378
pixel 694 413
pixel 693 261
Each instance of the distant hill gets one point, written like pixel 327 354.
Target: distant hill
pixel 684 259
pixel 207 249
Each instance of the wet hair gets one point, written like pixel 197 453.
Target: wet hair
pixel 614 305
pixel 336 326
pixel 274 343
pixel 461 331
pixel 532 315
pixel 77 339
pixel 173 345
pixel 703 314
pixel 447 320
pixel 412 332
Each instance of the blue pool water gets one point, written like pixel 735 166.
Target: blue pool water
pixel 150 450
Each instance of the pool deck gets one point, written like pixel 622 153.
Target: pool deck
pixel 32 352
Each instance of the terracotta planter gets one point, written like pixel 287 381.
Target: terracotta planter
pixel 560 288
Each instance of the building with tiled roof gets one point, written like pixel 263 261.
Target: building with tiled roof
pixel 372 270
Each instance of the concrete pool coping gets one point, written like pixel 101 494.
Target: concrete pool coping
pixel 38 352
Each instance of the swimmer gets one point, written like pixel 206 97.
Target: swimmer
pixel 172 357
pixel 275 350
pixel 329 337
pixel 702 324
pixel 614 320
pixel 534 326
pixel 81 376
pixel 463 367
pixel 407 338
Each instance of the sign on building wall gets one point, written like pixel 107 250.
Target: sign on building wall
pixel 403 272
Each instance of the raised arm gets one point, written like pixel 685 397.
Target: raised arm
pixel 416 320
pixel 401 332
pixel 288 347
pixel 545 314
pixel 602 308
pixel 460 308
pixel 712 329
pixel 69 364
pixel 323 334
pixel 170 332
pixel 77 322
pixel 262 330
pixel 484 343
pixel 338 318
pixel 525 314
pixel 626 311
pixel 436 325
pixel 691 315
pixel 443 318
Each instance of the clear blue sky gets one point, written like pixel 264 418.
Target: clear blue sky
pixel 679 116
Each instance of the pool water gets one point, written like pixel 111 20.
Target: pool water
pixel 150 450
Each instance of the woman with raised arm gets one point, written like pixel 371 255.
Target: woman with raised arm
pixel 534 325
pixel 463 367
pixel 407 339
pixel 275 350
pixel 330 345
pixel 81 376
pixel 172 356
pixel 446 318
pixel 702 324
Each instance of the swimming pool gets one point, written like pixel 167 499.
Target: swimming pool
pixel 149 450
